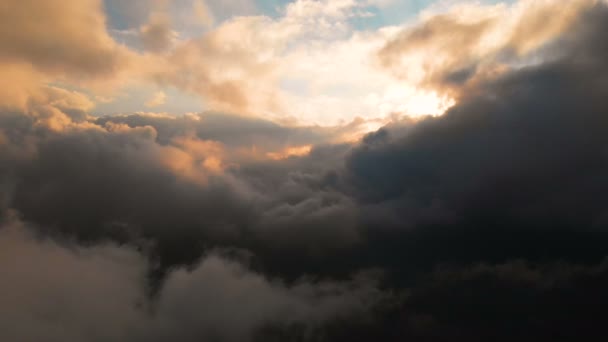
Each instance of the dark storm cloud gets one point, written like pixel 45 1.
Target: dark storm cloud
pixel 523 152
pixel 514 301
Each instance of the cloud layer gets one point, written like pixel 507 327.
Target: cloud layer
pixel 485 223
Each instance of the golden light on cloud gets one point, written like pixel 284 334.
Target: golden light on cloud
pixel 158 99
pixel 451 48
pixel 429 104
pixel 292 151
pixel 308 65
pixel 193 159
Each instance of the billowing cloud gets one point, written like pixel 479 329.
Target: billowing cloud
pixel 451 47
pixel 57 293
pixel 100 293
pixel 67 38
pixel 307 65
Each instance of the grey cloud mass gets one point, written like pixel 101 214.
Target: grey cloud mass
pixel 56 291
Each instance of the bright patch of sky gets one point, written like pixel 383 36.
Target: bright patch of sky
pixel 326 75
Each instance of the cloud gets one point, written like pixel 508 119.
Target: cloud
pixel 309 64
pixel 503 302
pixel 209 176
pixel 203 176
pixel 281 67
pixel 244 302
pixel 226 65
pixel 58 292
pixel 159 98
pixel 290 152
pixel 156 35
pixel 517 157
pixel 449 48
pixel 59 45
pixel 235 132
pixel 203 13
pixel 139 224
pixel 65 38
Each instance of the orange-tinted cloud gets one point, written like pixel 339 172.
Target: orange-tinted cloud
pixel 61 42
pixel 157 35
pixel 193 159
pixel 231 67
pixel 292 151
pixel 63 37
pixel 446 50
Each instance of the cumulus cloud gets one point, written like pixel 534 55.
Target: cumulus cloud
pixel 307 64
pixel 227 64
pixel 209 177
pixel 450 47
pixel 63 37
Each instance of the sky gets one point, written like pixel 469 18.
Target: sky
pixel 321 70
pixel 304 170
